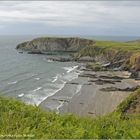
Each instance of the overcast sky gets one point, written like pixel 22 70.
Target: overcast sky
pixel 70 17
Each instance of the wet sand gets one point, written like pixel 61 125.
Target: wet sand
pixel 83 97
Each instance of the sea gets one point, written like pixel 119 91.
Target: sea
pixel 32 78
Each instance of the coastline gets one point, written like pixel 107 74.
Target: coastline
pixel 105 82
pixel 84 97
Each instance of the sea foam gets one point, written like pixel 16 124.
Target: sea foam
pixel 11 83
pixel 69 69
pixel 21 95
pixel 38 95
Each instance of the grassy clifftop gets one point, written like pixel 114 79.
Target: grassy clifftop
pixel 124 46
pixel 24 121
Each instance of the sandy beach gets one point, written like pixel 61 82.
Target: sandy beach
pixel 86 95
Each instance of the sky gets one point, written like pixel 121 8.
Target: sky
pixel 70 18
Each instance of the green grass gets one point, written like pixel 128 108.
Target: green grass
pixel 104 46
pixel 119 45
pixel 18 120
pixel 101 46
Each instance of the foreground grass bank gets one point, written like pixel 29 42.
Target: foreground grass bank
pixel 18 120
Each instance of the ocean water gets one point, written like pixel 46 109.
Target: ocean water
pixel 31 77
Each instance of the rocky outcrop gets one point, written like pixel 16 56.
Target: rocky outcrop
pixel 53 44
pixel 107 57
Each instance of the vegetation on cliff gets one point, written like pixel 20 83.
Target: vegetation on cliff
pixel 25 121
pixel 119 54
pixel 131 105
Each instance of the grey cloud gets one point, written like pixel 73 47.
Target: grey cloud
pixel 102 15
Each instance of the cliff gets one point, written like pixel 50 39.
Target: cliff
pixel 119 55
pixel 49 44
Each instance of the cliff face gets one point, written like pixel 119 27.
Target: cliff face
pixel 124 55
pixel 55 44
pixel 122 58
